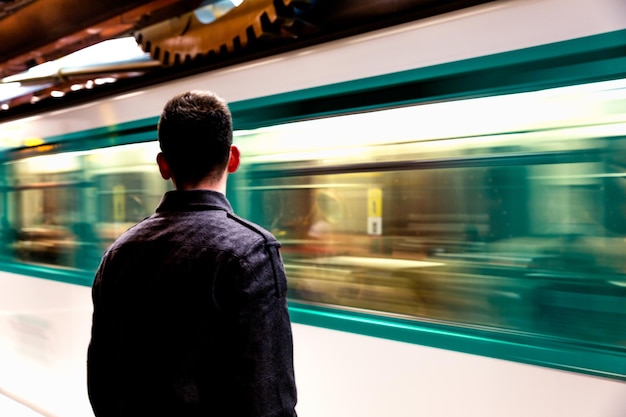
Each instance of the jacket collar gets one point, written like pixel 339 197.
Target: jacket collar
pixel 194 200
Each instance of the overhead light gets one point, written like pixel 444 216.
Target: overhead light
pixel 105 80
pixel 57 93
pixel 9 91
pixel 110 52
pixel 121 49
pixel 5 106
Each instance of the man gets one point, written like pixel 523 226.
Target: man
pixel 190 314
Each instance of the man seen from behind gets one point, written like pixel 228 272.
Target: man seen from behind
pixel 190 314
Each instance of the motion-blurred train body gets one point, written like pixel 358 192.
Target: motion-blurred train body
pixel 450 195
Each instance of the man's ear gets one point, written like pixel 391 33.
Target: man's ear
pixel 164 168
pixel 234 159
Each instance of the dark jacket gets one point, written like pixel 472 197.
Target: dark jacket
pixel 190 317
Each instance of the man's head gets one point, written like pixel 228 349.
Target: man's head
pixel 195 135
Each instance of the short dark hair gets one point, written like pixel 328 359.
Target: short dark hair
pixel 195 134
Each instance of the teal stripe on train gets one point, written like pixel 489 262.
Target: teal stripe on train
pixel 595 58
pixel 530 349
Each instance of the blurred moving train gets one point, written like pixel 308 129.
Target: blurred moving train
pixel 450 195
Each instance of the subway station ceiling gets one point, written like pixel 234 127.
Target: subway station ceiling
pixel 171 38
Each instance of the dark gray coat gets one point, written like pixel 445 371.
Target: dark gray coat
pixel 190 317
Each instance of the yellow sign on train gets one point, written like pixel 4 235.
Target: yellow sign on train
pixel 374 202
pixel 374 211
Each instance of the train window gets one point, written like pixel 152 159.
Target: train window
pixel 42 236
pixel 510 216
pixel 44 202
pixel 122 198
pixel 127 184
pixel 65 209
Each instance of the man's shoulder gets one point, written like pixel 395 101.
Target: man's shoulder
pixel 252 228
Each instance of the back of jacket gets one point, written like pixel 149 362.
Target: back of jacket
pixel 190 317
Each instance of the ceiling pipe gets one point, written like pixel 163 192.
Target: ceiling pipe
pixel 90 71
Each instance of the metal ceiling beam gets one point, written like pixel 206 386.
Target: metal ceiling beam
pixel 186 37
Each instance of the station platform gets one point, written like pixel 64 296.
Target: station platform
pixel 12 408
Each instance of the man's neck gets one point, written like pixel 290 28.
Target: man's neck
pixel 206 184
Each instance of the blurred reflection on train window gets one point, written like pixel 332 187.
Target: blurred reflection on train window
pixel 64 209
pixel 327 215
pixel 511 215
pixel 44 201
